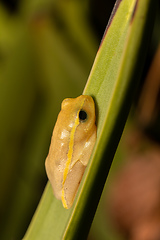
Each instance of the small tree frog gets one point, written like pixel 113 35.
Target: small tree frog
pixel 72 142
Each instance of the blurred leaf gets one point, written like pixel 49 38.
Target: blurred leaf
pixel 38 68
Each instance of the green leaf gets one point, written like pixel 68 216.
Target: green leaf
pixel 112 83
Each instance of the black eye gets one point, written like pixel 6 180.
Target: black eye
pixel 82 115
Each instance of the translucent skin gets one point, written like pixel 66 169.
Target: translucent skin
pixel 71 146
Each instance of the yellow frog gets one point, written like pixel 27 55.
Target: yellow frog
pixel 72 142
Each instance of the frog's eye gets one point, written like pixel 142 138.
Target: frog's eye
pixel 82 116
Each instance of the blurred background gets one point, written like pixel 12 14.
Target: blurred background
pixel 47 48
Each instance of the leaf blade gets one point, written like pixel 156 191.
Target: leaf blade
pixel 110 79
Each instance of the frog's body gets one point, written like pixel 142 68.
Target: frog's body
pixel 73 139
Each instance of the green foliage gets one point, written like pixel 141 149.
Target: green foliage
pixel 39 67
pixel 46 51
